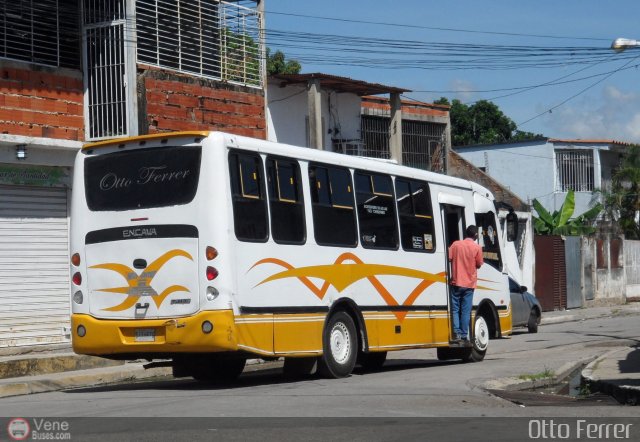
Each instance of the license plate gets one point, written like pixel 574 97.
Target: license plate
pixel 145 335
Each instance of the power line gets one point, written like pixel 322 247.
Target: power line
pixel 433 28
pixel 555 82
pixel 379 53
pixel 579 93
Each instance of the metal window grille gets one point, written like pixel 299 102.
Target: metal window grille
pixel 375 138
pixel 41 31
pixel 574 170
pixel 207 38
pixel 423 145
pixel 422 142
pixel 104 28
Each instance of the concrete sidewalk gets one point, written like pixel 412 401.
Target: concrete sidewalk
pixel 616 373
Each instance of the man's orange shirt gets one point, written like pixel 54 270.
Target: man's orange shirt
pixel 466 259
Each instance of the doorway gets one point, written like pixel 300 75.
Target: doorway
pixel 453 226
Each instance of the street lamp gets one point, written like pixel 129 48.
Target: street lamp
pixel 620 44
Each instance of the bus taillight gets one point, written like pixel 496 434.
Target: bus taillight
pixel 75 259
pixel 77 278
pixel 212 273
pixel 211 253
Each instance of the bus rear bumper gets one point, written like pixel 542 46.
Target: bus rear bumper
pixel 173 335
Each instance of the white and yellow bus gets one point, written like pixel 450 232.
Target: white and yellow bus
pixel 208 248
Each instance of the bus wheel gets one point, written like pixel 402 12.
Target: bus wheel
pixel 446 353
pixel 218 369
pixel 480 341
pixel 299 367
pixel 339 343
pixel 372 361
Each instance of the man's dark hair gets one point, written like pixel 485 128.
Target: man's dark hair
pixel 471 231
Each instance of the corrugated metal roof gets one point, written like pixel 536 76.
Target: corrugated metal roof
pixel 339 84
pixel 588 141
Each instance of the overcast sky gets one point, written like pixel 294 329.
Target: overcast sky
pixel 599 97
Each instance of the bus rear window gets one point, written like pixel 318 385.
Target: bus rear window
pixel 142 179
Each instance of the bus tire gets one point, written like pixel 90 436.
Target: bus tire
pixel 218 369
pixel 479 341
pixel 299 367
pixel 339 347
pixel 445 353
pixel 372 361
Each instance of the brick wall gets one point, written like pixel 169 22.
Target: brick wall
pixel 170 101
pixel 410 109
pixel 41 102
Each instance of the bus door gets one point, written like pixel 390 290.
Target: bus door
pixel 453 226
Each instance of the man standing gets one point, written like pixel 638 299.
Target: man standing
pixel 466 258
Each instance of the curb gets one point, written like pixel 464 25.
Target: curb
pixel 27 365
pixel 92 377
pixel 517 384
pixel 625 394
pixel 78 379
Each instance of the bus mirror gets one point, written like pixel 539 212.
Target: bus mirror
pixel 512 226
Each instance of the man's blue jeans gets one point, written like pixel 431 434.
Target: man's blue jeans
pixel 461 303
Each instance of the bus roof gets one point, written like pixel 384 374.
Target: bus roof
pixel 302 153
pixel 116 141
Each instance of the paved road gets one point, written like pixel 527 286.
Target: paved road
pixel 412 384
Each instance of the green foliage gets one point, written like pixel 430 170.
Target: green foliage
pixel 546 374
pixel 560 221
pixel 277 64
pixel 482 123
pixel 622 202
pixel 241 60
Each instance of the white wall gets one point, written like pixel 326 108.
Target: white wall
pixel 40 156
pixel 287 112
pixel 527 169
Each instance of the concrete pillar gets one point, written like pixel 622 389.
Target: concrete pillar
pixel 263 66
pixel 395 128
pixel 447 145
pixel 314 100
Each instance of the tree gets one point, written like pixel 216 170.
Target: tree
pixel 482 123
pixel 277 64
pixel 560 222
pixel 622 203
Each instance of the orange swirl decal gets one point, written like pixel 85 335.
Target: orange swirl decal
pixel 341 276
pixel 140 285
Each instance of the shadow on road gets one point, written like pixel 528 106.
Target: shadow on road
pixel 253 376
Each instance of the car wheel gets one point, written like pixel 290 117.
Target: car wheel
pixel 532 324
pixel 339 344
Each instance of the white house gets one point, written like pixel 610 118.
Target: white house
pixel 546 168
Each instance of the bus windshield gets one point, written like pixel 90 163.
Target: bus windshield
pixel 142 178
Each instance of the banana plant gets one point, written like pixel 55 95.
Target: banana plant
pixel 560 222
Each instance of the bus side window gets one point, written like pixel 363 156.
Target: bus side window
pixel 285 201
pixel 247 192
pixel 334 222
pixel 376 211
pixel 488 237
pixel 417 232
